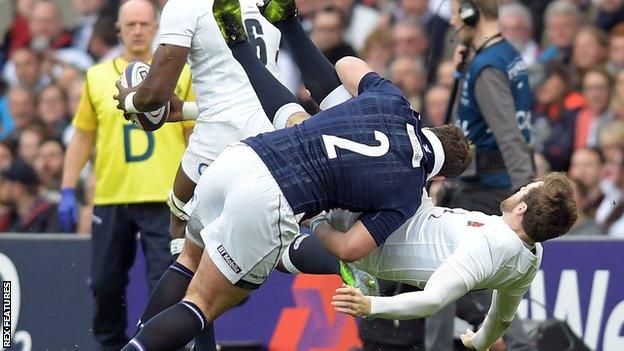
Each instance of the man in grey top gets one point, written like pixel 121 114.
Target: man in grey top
pixel 493 108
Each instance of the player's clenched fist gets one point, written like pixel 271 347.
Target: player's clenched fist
pixel 351 301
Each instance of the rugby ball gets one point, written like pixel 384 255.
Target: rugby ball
pixel 132 76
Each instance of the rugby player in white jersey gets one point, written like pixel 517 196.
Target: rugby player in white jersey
pixel 227 111
pixel 448 252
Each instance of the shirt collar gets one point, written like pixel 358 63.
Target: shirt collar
pixel 438 152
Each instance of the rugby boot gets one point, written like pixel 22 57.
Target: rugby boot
pixel 280 10
pixel 359 279
pixel 229 18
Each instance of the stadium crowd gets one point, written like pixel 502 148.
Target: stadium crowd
pixel 574 50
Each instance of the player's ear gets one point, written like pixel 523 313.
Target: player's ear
pixel 520 208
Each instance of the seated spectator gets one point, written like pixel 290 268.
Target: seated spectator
pixel 21 106
pixel 586 169
pixel 590 49
pixel 616 49
pixel 103 44
pixel 377 50
pixel 610 213
pixel 29 213
pixel 445 74
pixel 597 87
pixel 409 75
pixel 562 19
pixel 409 39
pixel 49 167
pixel 436 103
pixel 88 11
pixel 28 144
pixel 610 13
pixel 585 224
pixel 6 155
pixel 24 70
pixel 52 110
pixel 617 101
pixel 46 28
pixel 328 34
pixel 517 27
pixel 554 117
pixel 18 35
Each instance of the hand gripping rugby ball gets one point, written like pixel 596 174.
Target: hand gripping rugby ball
pixel 149 121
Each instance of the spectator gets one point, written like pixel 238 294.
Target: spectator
pixel 18 35
pixel 610 13
pixel 409 39
pixel 29 141
pixel 29 213
pixel 597 88
pixel 409 75
pixel 52 110
pixel 542 167
pixel 585 224
pixel 616 49
pixel 377 50
pixel 586 170
pixel 328 34
pixel 610 213
pixel 103 44
pixel 445 75
pixel 517 27
pixel 24 70
pixel 617 102
pixel 88 10
pixel 562 19
pixel 436 103
pixel 46 28
pixel 590 49
pixel 21 103
pixel 6 155
pixel 67 76
pixel 49 167
pixel 435 29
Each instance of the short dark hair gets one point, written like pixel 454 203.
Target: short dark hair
pixel 551 209
pixel 457 155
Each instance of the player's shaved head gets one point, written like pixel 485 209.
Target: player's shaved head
pixel 137 5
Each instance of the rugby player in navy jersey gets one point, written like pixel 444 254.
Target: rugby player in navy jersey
pixel 368 154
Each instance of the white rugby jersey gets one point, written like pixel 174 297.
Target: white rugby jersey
pixel 219 80
pixel 466 250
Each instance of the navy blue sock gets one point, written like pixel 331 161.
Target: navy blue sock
pixel 171 329
pixel 319 75
pixel 270 91
pixel 308 255
pixel 170 290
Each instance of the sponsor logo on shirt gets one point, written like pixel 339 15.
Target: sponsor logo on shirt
pixel 474 224
pixel 228 259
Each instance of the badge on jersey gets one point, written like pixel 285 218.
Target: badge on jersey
pixel 474 224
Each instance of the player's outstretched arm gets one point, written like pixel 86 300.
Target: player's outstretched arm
pixel 351 70
pixel 499 317
pixel 444 286
pixel 356 243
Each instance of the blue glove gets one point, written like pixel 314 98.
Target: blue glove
pixel 68 210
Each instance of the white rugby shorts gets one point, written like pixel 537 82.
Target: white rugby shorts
pixel 212 134
pixel 241 217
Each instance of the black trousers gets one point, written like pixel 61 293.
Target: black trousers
pixel 114 247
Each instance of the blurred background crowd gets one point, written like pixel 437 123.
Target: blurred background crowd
pixel 574 50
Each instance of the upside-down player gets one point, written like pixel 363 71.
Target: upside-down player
pixel 368 154
pixel 448 252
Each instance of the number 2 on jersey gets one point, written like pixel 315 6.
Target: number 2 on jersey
pixel 333 142
pixel 254 32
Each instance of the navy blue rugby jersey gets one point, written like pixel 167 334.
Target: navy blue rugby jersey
pixel 366 155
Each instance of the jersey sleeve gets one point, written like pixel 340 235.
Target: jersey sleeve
pixel 85 117
pixel 381 224
pixel 374 82
pixel 502 310
pixel 177 24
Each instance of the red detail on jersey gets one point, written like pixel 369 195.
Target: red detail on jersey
pixel 474 224
pixel 314 325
